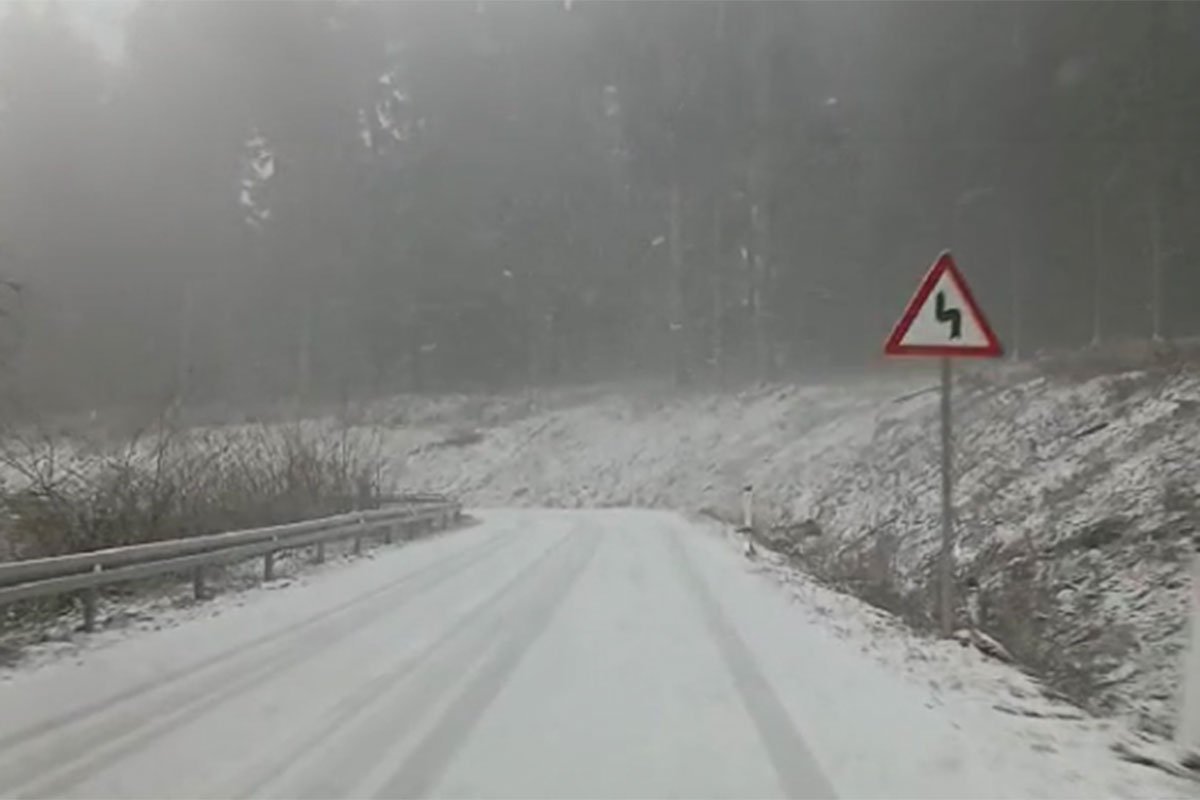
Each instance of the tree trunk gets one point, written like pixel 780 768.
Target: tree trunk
pixel 183 351
pixel 304 357
pixel 1157 35
pixel 760 275
pixel 760 197
pixel 717 354
pixel 675 309
pixel 1154 220
pixel 1016 280
pixel 1097 263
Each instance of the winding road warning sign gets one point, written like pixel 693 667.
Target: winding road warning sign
pixel 943 319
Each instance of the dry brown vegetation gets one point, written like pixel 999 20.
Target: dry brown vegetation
pixel 71 495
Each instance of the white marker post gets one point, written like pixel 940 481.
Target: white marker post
pixel 942 320
pixel 747 507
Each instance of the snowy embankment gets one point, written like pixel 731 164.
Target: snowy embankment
pixel 1076 496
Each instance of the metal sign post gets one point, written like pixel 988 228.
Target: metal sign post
pixel 946 564
pixel 943 320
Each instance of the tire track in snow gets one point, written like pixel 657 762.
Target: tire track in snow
pixel 429 758
pixel 64 751
pixel 473 631
pixel 797 768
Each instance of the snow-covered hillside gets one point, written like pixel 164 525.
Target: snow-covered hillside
pixel 1076 496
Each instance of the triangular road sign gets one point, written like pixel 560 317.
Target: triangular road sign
pixel 943 319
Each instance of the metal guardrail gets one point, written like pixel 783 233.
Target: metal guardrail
pixel 87 572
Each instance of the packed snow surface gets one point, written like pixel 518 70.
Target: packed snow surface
pixel 1075 493
pixel 610 653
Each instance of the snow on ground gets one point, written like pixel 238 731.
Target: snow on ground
pixel 697 448
pixel 964 724
pixel 617 653
pixel 137 609
pixel 1077 501
pixel 1076 495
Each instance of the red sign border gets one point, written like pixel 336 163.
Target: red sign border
pixel 944 263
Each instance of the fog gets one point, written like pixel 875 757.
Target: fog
pixel 247 202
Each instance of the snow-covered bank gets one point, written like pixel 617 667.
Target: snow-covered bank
pixel 1076 496
pixel 972 715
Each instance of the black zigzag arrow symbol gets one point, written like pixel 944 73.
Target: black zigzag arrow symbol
pixel 951 315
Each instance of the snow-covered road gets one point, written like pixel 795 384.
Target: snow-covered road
pixel 540 654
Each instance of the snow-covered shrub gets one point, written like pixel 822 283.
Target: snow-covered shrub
pixel 71 496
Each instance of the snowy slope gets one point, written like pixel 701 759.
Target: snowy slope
pixel 1076 497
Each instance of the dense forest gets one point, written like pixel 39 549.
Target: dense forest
pixel 249 201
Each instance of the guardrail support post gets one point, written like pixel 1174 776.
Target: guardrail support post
pixel 89 610
pixel 91 602
pixel 198 588
pixel 387 532
pixel 357 545
pixel 269 566
pixel 319 558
